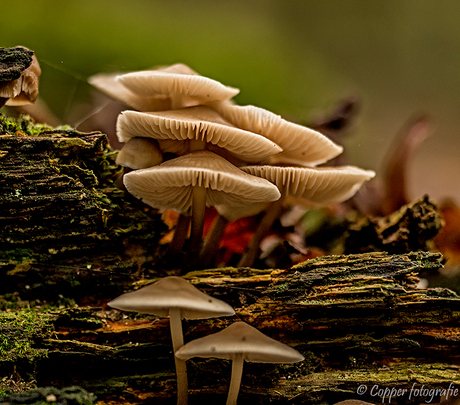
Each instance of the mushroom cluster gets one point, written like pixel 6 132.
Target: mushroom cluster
pixel 176 298
pixel 192 147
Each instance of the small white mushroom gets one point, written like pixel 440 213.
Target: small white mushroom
pixel 139 153
pixel 107 83
pixel 312 186
pixel 301 145
pixel 182 85
pixel 189 183
pixel 239 342
pixel 178 299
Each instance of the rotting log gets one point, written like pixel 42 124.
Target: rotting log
pixel 66 228
pixel 68 235
pixel 358 320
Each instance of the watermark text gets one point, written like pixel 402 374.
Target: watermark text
pixel 415 392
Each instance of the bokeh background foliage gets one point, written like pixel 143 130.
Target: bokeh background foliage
pixel 293 57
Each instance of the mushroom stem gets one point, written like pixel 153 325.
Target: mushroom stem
pixel 211 243
pixel 196 232
pixel 180 235
pixel 177 337
pixel 235 381
pixel 272 213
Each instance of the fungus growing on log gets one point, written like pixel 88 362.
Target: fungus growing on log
pixel 177 299
pixel 313 186
pixel 189 183
pixel 107 83
pixel 182 85
pixel 200 116
pixel 239 342
pixel 301 145
pixel 195 128
pixel 161 88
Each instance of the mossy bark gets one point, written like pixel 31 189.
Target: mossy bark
pixel 358 320
pixel 68 235
pixel 64 223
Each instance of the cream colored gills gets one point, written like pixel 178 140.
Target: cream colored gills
pixel 195 128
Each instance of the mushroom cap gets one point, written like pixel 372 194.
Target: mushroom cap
pixel 199 123
pixel 23 90
pixel 107 84
pixel 139 153
pixel 172 292
pixel 177 80
pixel 240 339
pixel 314 185
pixel 301 145
pixel 169 185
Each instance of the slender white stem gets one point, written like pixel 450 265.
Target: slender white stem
pixel 175 323
pixel 235 381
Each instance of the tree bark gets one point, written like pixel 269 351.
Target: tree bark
pixel 358 320
pixel 70 241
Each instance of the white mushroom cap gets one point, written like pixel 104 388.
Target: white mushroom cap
pixel 172 292
pixel 240 338
pixel 23 90
pixel 107 84
pixel 169 185
pixel 301 145
pixel 196 125
pixel 139 153
pixel 315 186
pixel 177 81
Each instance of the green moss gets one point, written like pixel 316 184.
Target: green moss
pixel 23 126
pixel 39 396
pixel 19 331
pixel 19 255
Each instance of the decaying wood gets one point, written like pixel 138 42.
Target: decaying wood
pixel 62 216
pixel 69 235
pixel 13 61
pixel 358 319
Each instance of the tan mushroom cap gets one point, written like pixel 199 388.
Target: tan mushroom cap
pixel 172 292
pixel 139 153
pixel 240 338
pixel 107 84
pixel 177 80
pixel 195 125
pixel 170 185
pixel 23 90
pixel 301 145
pixel 316 186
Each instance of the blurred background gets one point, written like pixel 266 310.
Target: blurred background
pixel 296 58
